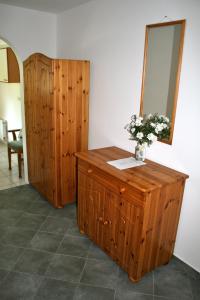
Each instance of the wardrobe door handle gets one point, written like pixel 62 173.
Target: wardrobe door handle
pixel 89 171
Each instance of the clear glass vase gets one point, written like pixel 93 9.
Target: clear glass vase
pixel 140 152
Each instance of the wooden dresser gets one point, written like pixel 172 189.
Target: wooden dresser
pixel 132 214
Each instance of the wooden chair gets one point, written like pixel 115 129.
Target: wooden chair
pixel 15 147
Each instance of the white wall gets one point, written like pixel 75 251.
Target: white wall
pixel 110 33
pixel 10 104
pixel 27 31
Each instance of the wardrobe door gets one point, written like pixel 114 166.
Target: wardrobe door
pixel 40 125
pixel 72 86
pixel 30 118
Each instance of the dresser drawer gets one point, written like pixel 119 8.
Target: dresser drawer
pixel 121 188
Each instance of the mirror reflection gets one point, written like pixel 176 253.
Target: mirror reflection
pixel 162 60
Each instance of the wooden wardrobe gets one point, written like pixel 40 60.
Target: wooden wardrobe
pixel 56 114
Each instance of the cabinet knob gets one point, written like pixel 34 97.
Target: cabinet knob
pixel 89 171
pixel 122 190
pixel 100 219
pixel 123 220
pixel 105 223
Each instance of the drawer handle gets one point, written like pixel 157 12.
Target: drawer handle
pixel 89 171
pixel 105 223
pixel 122 190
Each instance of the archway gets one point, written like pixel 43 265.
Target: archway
pixel 21 93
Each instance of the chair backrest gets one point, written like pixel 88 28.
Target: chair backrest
pixel 14 131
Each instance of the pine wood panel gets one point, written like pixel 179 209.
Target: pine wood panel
pixel 131 214
pixel 72 87
pixel 56 105
pixel 40 124
pixel 13 67
pixel 9 66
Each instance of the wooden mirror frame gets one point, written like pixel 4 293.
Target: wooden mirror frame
pixel 182 23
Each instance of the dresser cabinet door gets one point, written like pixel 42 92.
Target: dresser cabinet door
pixel 112 222
pixel 123 225
pixel 91 200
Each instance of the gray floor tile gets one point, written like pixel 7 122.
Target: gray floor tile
pixel 75 246
pixel 195 284
pixel 30 221
pixel 74 230
pixel 40 207
pixel 17 236
pixel 174 264
pixel 34 262
pixel 3 230
pixel 100 273
pixel 127 295
pixel 23 210
pixel 17 204
pixel 52 289
pixel 18 286
pixel 84 292
pixel 2 202
pixel 96 253
pixel 9 217
pixel 66 268
pixel 69 211
pixel 8 256
pixel 175 285
pixel 162 298
pixel 145 285
pixel 46 241
pixel 56 225
pixel 191 273
pixel 3 274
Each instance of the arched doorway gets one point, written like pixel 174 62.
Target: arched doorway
pixel 12 112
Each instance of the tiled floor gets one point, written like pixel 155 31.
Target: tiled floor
pixel 43 256
pixel 9 178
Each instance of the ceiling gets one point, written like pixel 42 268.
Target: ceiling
pixel 52 6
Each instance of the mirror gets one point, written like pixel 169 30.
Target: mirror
pixel 161 70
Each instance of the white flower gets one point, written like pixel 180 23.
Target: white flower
pixel 152 137
pixel 153 124
pixel 138 122
pixel 133 130
pixel 149 116
pixel 166 119
pixel 159 127
pixel 139 135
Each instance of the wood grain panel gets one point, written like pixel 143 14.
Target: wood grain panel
pixel 131 214
pixel 40 124
pixel 74 95
pixel 56 105
pixel 13 67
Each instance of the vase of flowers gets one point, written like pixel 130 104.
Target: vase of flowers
pixel 146 130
